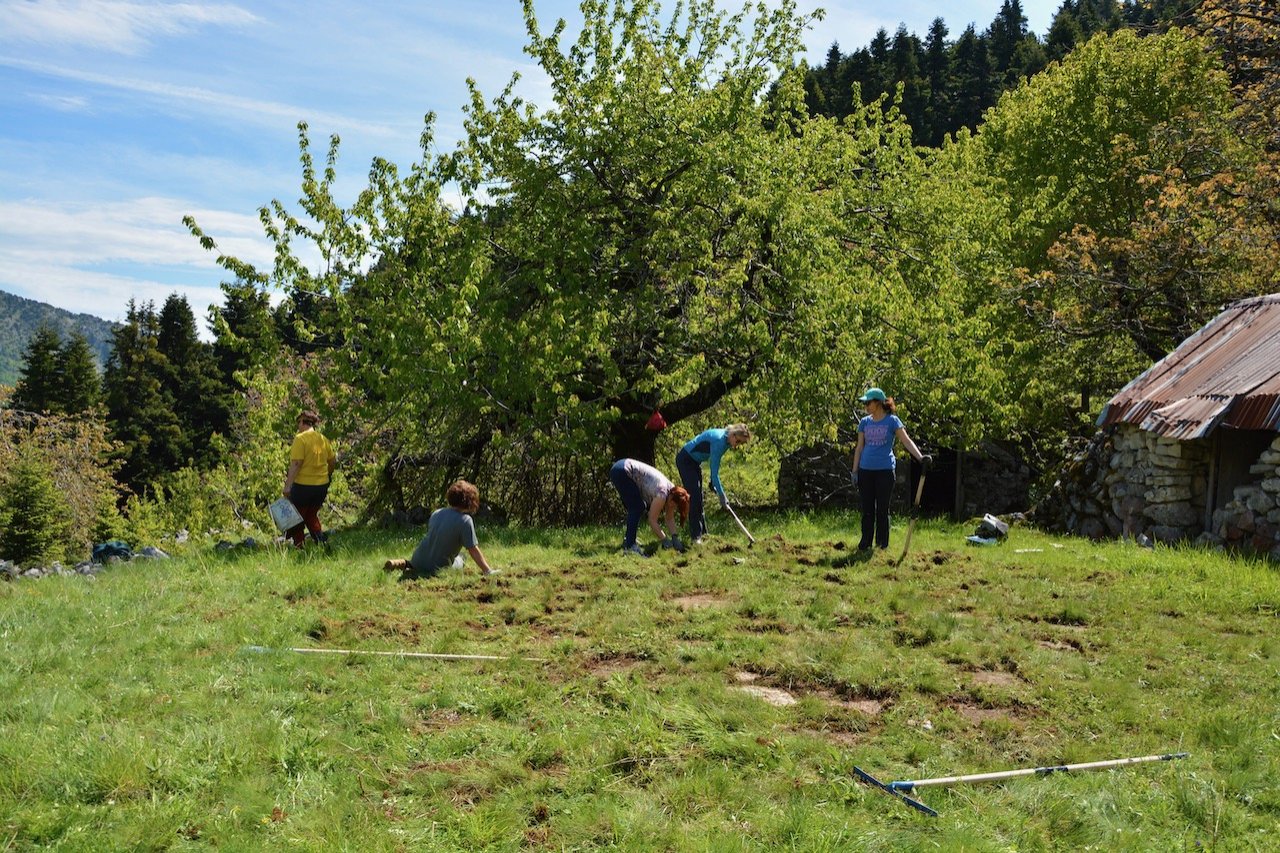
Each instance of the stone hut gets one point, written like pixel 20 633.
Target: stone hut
pixel 1191 448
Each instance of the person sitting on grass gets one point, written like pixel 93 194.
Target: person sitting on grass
pixel 448 532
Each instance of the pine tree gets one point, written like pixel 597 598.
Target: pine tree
pixel 244 331
pixel 904 57
pixel 971 68
pixel 80 387
pixel 191 379
pixel 33 514
pixel 37 388
pixel 937 73
pixel 139 410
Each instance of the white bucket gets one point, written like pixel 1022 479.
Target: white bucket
pixel 284 514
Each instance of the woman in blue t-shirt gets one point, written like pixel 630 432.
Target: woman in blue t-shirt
pixel 873 464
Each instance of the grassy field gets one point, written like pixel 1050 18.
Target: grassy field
pixel 716 700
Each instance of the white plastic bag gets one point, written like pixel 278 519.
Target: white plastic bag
pixel 285 515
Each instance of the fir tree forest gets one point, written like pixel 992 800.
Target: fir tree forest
pixel 1005 225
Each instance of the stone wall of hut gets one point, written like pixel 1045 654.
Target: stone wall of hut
pixel 1250 521
pixel 1134 483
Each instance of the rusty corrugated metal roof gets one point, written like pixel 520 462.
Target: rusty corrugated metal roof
pixel 1226 374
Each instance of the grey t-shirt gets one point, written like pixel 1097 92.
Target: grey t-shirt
pixel 448 532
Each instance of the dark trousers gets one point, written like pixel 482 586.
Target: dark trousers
pixel 630 494
pixel 875 488
pixel 308 500
pixel 691 479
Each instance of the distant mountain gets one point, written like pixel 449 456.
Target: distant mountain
pixel 20 318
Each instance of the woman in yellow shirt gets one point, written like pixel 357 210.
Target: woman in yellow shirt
pixel 306 485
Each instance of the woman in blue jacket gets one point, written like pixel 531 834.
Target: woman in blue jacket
pixel 707 445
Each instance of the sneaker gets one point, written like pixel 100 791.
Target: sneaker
pixel 635 550
pixel 395 566
pixel 488 573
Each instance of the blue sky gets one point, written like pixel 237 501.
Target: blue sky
pixel 119 117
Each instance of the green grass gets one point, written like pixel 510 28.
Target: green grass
pixel 135 718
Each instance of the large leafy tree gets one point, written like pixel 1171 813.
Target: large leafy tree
pixel 1117 171
pixel 670 232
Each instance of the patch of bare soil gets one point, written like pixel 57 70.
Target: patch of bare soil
pixel 375 626
pixel 1059 645
pixel 436 721
pixel 975 713
pixel 863 705
pixel 838 737
pixel 605 667
pixel 699 601
pixel 776 696
pixel 773 695
pixel 994 677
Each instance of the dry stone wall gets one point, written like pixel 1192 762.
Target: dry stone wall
pixel 1250 521
pixel 1130 482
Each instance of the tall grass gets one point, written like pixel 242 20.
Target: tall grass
pixel 137 716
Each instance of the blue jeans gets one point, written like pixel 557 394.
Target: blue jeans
pixel 631 499
pixel 875 488
pixel 691 479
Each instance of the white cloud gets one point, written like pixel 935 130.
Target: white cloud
pixel 64 103
pixel 83 257
pixel 104 295
pixel 262 110
pixel 140 231
pixel 111 25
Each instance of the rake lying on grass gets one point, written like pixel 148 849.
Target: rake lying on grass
pixel 902 788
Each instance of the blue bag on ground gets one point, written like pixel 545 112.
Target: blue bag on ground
pixel 104 551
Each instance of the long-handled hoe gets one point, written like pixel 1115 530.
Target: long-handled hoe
pixel 901 790
pixel 911 527
pixel 751 540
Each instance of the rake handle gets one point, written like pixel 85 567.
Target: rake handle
pixel 741 526
pixel 909 785
pixel 911 526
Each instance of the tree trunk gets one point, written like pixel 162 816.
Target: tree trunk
pixel 630 440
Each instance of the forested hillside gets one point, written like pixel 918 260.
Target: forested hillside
pixel 949 80
pixel 20 319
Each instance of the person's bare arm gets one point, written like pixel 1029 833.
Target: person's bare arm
pixel 670 519
pixel 295 465
pixel 478 556
pixel 909 445
pixel 655 515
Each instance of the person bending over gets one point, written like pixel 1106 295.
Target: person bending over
pixel 644 488
pixel 708 445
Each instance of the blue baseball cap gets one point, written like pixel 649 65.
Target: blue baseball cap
pixel 872 394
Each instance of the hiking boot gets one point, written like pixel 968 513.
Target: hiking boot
pixel 634 550
pixel 395 566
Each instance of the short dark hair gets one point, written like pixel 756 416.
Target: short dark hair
pixel 309 417
pixel 463 496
